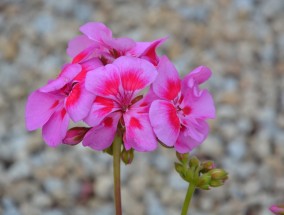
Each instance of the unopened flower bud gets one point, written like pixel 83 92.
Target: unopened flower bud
pixel 216 183
pixel 75 135
pixel 109 150
pixel 204 181
pixel 193 162
pixel 178 167
pixel 204 187
pixel 189 176
pixel 182 157
pixel 207 166
pixel 218 174
pixel 127 156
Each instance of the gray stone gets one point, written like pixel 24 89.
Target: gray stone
pixel 105 210
pixel 9 207
pixel 154 206
pixel 237 149
pixel 53 212
pixel 19 170
pixel 176 182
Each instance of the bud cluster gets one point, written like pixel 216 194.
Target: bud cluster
pixel 204 175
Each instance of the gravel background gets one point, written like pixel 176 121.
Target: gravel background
pixel 242 41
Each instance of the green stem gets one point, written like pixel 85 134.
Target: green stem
pixel 116 174
pixel 190 191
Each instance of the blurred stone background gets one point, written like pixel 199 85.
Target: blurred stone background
pixel 242 41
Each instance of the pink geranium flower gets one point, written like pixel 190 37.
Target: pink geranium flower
pixel 179 113
pixel 52 106
pixel 117 87
pixel 97 41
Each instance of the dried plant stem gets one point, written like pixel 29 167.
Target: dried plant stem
pixel 189 194
pixel 116 174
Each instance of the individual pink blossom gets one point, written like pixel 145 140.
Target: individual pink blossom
pixel 277 209
pixel 52 105
pixel 179 113
pixel 97 41
pixel 118 103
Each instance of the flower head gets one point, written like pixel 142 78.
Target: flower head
pixel 52 105
pixel 117 87
pixel 179 113
pixel 97 41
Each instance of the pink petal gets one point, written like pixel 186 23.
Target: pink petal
pixel 165 122
pixel 78 44
pixel 199 74
pixel 149 52
pixel 101 137
pixel 204 106
pixel 139 134
pixel 185 143
pixel 85 54
pixel 55 129
pixel 87 66
pixel 68 73
pixel 167 85
pixel 101 108
pixel 197 129
pixel 79 102
pixel 40 106
pixel 143 105
pixel 119 44
pixel 96 31
pixel 135 73
pixel 104 81
pixel 92 64
pixel 200 107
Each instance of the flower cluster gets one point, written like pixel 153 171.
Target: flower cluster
pixel 121 87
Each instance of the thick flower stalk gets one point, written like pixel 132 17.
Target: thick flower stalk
pixel 129 98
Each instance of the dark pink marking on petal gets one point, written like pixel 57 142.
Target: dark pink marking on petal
pixel 54 104
pixel 73 96
pixel 134 122
pixel 107 104
pixel 186 110
pixel 173 89
pixel 132 81
pixel 174 120
pixel 165 121
pixel 63 112
pixel 108 121
pixel 167 85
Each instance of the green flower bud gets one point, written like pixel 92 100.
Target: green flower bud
pixel 127 156
pixel 194 162
pixel 109 150
pixel 207 166
pixel 182 157
pixel 216 183
pixel 203 181
pixel 189 176
pixel 204 187
pixel 218 174
pixel 178 167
